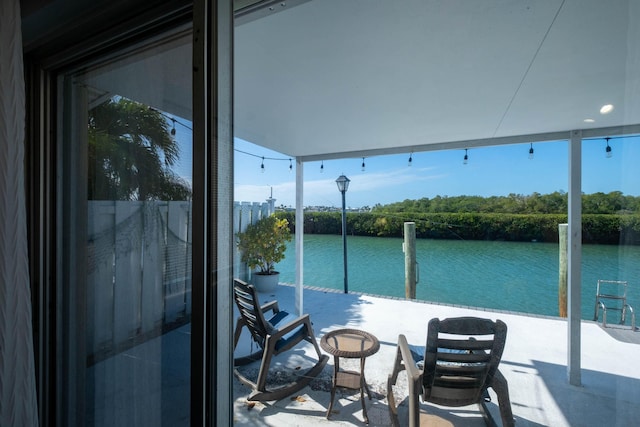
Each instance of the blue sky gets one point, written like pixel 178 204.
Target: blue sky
pixel 490 171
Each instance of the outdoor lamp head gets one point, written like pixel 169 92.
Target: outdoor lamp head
pixel 343 183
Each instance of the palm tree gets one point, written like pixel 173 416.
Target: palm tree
pixel 131 152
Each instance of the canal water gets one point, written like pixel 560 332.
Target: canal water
pixel 514 276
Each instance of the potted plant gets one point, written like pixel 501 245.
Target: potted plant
pixel 262 245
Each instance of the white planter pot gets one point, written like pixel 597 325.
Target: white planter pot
pixel 265 283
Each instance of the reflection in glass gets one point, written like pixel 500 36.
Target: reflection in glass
pixel 137 266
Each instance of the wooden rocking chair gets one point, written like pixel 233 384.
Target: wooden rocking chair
pixel 455 369
pixel 274 336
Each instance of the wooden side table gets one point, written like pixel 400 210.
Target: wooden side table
pixel 351 344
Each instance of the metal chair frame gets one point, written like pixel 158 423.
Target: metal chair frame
pixel 621 297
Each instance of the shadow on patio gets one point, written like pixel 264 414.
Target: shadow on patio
pixel 533 363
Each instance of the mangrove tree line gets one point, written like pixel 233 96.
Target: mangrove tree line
pixel 611 218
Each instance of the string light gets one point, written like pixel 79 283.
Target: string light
pixel 174 121
pixel 263 158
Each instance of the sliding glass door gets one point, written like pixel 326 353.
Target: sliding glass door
pixel 125 216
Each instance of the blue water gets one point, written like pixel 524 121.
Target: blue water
pixel 512 276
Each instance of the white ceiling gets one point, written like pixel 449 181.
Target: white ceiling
pixel 349 78
pixel 341 78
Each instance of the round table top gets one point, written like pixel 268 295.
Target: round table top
pixel 350 343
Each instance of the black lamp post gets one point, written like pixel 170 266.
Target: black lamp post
pixel 343 186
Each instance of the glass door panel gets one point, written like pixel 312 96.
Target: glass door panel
pixel 127 182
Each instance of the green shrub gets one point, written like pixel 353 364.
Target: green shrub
pixel 263 244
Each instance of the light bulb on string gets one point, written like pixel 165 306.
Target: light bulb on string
pixel 410 159
pixel 608 149
pixel 173 129
pixel 465 160
pixel 363 166
pixel 322 166
pixel 263 158
pixel 531 152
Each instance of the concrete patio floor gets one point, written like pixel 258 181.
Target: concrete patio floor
pixel 534 363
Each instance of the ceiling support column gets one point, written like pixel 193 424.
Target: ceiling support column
pixel 575 258
pixel 299 236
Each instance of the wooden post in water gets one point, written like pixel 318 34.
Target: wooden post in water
pixel 563 274
pixel 409 247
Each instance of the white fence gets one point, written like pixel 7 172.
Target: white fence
pixel 245 213
pixel 139 268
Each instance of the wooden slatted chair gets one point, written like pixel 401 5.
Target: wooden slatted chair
pixel 280 333
pixel 458 364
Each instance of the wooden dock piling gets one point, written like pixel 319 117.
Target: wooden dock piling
pixel 409 247
pixel 563 274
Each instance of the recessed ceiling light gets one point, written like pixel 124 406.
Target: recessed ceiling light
pixel 589 121
pixel 606 109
